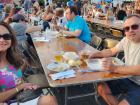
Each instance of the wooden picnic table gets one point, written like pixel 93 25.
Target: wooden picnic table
pixel 46 51
pixel 117 24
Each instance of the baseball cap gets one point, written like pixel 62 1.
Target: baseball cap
pixel 18 17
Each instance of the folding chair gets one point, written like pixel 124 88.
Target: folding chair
pixel 31 56
pixel 90 27
pixel 94 27
pixel 110 43
pixel 96 42
pixel 100 29
pixel 117 33
pixel 107 31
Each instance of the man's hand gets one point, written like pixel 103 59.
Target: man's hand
pixel 85 54
pixel 107 64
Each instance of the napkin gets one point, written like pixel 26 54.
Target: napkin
pixel 64 74
pixel 90 70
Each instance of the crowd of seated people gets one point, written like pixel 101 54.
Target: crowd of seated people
pixel 66 20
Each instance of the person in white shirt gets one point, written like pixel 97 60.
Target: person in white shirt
pixel 131 47
pixel 59 19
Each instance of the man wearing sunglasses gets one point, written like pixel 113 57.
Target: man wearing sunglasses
pixel 131 47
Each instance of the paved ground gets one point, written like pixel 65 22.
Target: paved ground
pixel 86 101
pixel 80 89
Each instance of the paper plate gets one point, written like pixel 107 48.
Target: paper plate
pixel 94 64
pixel 57 66
pixel 54 33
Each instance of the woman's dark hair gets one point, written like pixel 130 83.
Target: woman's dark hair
pixel 73 9
pixel 13 55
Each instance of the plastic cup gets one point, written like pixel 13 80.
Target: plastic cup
pixel 58 56
pixel 85 55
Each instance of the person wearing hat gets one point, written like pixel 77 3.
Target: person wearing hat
pixel 19 25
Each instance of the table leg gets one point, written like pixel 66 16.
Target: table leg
pixel 66 95
pixel 96 94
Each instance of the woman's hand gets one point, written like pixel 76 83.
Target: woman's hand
pixel 25 86
pixel 30 86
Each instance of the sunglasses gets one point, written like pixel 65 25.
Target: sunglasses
pixel 133 27
pixel 6 36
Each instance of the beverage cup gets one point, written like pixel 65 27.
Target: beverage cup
pixel 101 63
pixel 106 61
pixel 58 56
pixel 84 55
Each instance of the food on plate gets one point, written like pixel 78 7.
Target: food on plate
pixel 58 66
pixel 71 62
pixel 70 56
pixel 74 63
pixel 78 62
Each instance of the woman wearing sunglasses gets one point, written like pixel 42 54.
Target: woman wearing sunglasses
pixel 129 87
pixel 11 66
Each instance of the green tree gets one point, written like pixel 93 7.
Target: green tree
pixel 41 2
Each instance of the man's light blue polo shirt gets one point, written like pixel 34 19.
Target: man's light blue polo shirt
pixel 80 24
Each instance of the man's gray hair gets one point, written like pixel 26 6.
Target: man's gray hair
pixel 134 15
